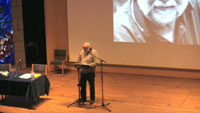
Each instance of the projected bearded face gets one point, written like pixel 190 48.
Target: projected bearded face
pixel 162 12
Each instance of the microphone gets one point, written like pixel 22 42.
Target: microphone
pixel 96 56
pixel 19 61
pixel 90 51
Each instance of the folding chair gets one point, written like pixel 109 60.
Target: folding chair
pixel 39 68
pixel 60 58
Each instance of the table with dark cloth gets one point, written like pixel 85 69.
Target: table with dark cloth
pixel 28 88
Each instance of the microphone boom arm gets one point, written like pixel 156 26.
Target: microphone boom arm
pixel 101 60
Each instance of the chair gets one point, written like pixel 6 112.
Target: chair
pixel 5 67
pixel 60 58
pixel 39 68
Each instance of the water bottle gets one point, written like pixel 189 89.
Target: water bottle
pixel 32 76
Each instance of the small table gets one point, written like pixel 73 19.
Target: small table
pixel 28 88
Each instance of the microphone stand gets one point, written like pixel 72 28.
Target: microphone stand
pixel 102 104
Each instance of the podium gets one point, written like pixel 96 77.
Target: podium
pixel 78 66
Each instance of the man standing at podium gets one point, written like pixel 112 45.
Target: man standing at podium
pixel 87 57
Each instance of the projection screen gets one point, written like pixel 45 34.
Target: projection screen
pixel 151 33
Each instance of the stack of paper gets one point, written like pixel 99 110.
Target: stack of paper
pixel 29 75
pixel 4 73
pixel 26 76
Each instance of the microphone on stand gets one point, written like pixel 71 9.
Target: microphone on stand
pixel 90 50
pixel 96 56
pixel 18 64
pixel 19 61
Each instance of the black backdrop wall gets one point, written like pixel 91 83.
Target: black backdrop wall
pixel 34 31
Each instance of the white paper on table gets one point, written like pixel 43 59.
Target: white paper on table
pixel 4 73
pixel 26 76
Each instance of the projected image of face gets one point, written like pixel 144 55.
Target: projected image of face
pixel 150 21
pixel 162 12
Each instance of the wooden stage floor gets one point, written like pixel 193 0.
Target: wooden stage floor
pixel 125 93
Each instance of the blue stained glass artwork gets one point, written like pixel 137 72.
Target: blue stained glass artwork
pixel 6 33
